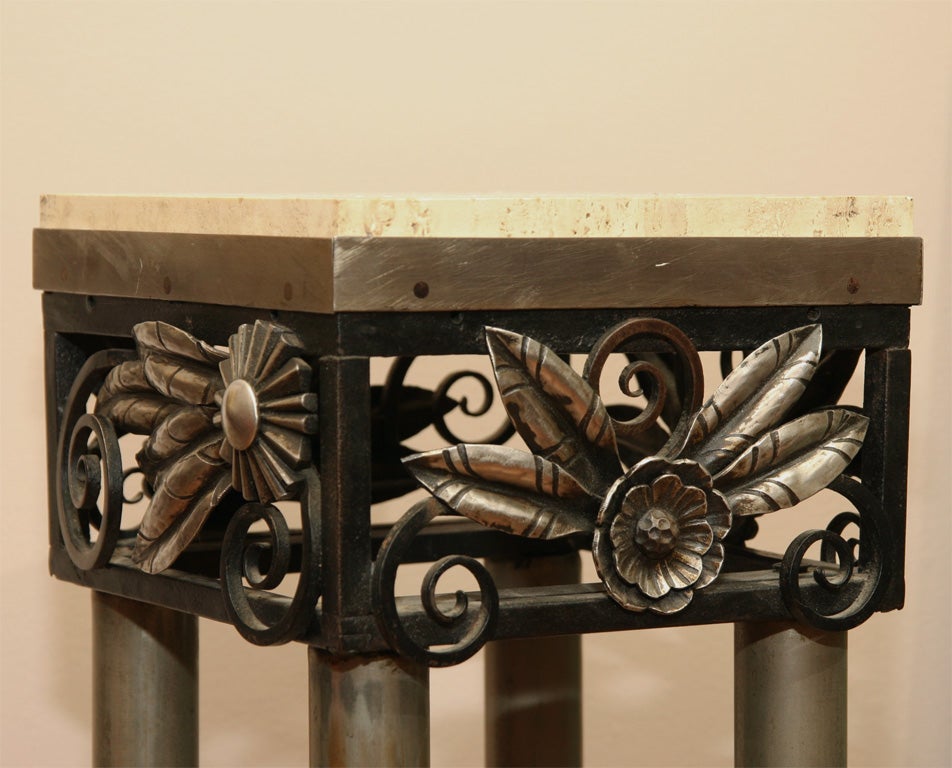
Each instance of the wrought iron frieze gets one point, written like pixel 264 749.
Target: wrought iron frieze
pixel 217 420
pixel 655 504
pixel 659 489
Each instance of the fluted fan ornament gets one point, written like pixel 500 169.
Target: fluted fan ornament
pixel 216 420
pixel 656 527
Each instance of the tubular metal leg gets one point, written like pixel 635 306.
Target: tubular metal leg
pixel 789 695
pixel 533 686
pixel 145 684
pixel 368 710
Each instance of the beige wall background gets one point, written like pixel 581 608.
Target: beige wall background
pixel 559 98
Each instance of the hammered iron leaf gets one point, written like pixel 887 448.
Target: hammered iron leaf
pixel 507 489
pixel 729 466
pixel 174 392
pixel 555 410
pixel 793 462
pixel 754 397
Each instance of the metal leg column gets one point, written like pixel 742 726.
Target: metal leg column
pixel 789 695
pixel 145 684
pixel 533 687
pixel 368 710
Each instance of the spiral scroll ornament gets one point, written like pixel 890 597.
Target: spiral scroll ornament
pixel 89 465
pixel 854 590
pixel 218 423
pixel 258 621
pixel 657 522
pixel 461 628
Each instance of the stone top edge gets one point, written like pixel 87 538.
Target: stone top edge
pixel 486 215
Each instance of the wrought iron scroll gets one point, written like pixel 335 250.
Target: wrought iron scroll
pixel 847 608
pixel 658 523
pixel 219 423
pixel 88 461
pixel 460 629
pixel 676 378
pixel 400 411
pixel 260 621
pixel 498 437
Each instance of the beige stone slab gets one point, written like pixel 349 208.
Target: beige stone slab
pixel 430 216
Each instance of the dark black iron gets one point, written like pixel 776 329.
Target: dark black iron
pixel 265 564
pixel 835 614
pixel 471 629
pixel 229 574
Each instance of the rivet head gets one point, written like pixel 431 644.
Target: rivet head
pixel 239 414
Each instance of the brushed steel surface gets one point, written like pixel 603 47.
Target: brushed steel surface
pixel 534 686
pixel 291 273
pixel 145 684
pixel 368 710
pixel 384 274
pixel 789 695
pixel 559 273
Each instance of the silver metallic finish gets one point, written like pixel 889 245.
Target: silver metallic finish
pixel 640 577
pixel 145 684
pixel 239 414
pixel 291 273
pixel 241 418
pixel 368 710
pixel 754 396
pixel 533 686
pixel 789 695
pixel 657 528
pixel 793 462
pixel 505 488
pixel 395 274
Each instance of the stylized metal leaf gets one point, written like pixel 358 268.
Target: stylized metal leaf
pixel 128 400
pixel 156 336
pixel 556 412
pixel 833 374
pixel 123 379
pixel 754 397
pixel 136 413
pixel 507 489
pixel 794 462
pixel 181 381
pixel 173 436
pixel 186 491
pixel 177 365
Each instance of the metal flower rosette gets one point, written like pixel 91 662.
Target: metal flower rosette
pixel 229 431
pixel 655 505
pixel 658 492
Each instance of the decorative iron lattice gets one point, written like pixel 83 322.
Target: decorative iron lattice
pixel 659 489
pixel 655 520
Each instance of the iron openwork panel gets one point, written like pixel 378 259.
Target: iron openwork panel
pixel 344 600
pixel 224 440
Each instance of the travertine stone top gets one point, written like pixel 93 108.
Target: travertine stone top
pixel 590 216
pixel 453 254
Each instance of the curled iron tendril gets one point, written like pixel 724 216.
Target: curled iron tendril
pixel 626 336
pixel 465 630
pixel 143 490
pixel 846 608
pixel 259 620
pixel 394 386
pixel 89 466
pixel 500 436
